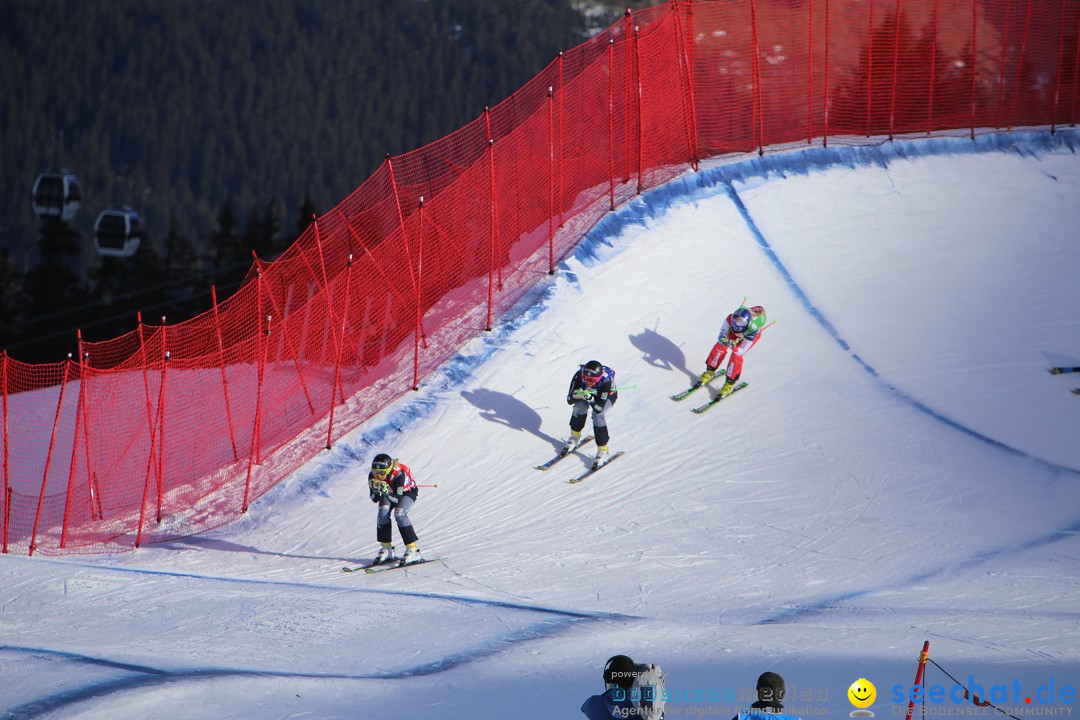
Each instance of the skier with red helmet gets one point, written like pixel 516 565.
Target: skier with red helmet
pixel 741 330
pixel 591 388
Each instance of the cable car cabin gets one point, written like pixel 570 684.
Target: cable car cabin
pixel 117 233
pixel 56 195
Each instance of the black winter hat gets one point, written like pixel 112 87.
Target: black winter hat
pixel 620 670
pixel 770 686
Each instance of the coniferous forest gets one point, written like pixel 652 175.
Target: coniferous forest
pixel 225 124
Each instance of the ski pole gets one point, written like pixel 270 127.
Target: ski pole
pixel 419 485
pixel 591 391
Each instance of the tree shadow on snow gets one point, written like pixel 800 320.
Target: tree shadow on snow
pixel 658 351
pixel 504 409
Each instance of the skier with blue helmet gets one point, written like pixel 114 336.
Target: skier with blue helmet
pixel 740 332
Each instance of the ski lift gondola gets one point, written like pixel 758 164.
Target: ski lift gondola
pixel 117 233
pixel 56 195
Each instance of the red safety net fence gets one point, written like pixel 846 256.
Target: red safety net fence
pixel 172 430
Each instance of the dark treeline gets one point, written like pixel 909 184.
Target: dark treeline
pixel 225 125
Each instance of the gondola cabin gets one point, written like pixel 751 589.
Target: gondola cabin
pixel 56 195
pixel 117 233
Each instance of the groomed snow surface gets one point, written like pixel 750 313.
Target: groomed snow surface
pixel 901 468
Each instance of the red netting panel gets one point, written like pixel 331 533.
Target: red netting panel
pixel 722 55
pixel 783 71
pixel 112 353
pixel 172 430
pixel 118 427
pixel 898 66
pixel 662 114
pixel 1033 68
pixel 38 404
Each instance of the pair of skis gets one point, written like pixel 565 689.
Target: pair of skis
pixel 551 463
pixel 372 568
pixel 678 397
pixel 584 475
pixel 1063 370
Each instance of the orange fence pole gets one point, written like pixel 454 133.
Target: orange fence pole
pixel 551 180
pixel 48 455
pixel 1020 66
pixel 161 420
pixel 337 361
pixel 895 69
pixel 756 114
pixel 825 85
pixel 611 122
pixel 74 447
pixel 224 375
pixel 919 676
pixel 7 452
pixel 933 70
pixel 419 293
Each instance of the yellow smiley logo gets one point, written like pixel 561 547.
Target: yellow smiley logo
pixel 862 693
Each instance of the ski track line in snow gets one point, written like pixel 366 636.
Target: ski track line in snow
pixel 803 612
pixel 801 295
pixel 505 604
pixel 144 677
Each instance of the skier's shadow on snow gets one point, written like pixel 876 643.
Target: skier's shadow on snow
pixel 198 542
pixel 658 351
pixel 503 409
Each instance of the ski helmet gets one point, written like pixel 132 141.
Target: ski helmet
pixel 591 372
pixel 740 320
pixel 382 465
pixel 620 670
pixel 770 687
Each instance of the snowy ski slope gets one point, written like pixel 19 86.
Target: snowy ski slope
pixel 901 468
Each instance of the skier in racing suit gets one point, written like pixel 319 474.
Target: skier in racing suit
pixel 391 485
pixel 740 332
pixel 591 387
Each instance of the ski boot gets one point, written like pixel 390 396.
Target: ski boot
pixel 571 444
pixel 729 385
pixel 601 457
pixel 385 555
pixel 412 555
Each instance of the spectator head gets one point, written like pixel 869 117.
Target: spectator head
pixel 770 687
pixel 620 671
